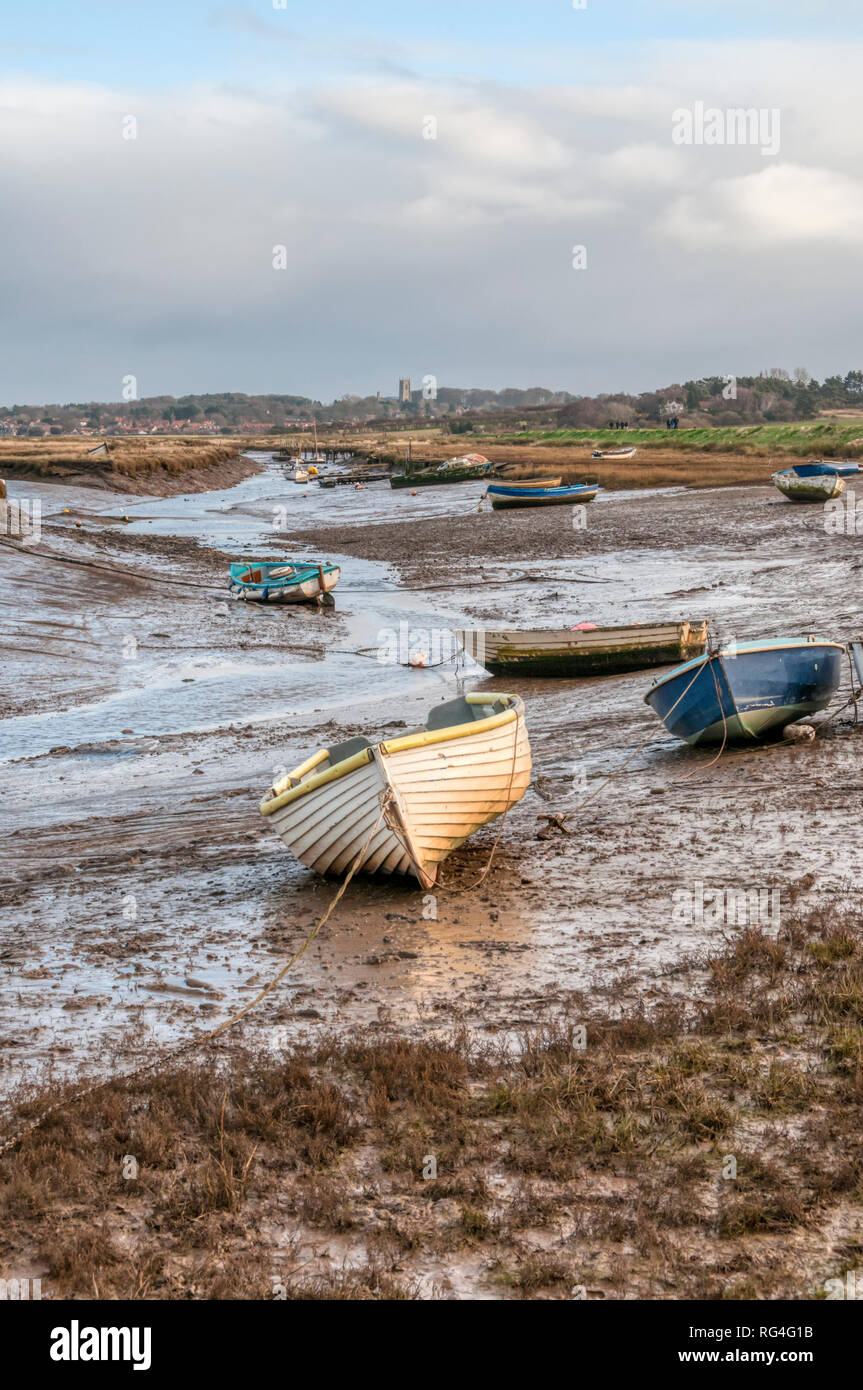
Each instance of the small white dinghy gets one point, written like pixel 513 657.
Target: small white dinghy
pixel 411 800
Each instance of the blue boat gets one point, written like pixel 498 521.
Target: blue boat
pixel 286 581
pixel 820 480
pixel 748 691
pixel 503 497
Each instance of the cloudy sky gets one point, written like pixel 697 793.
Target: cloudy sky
pixel 279 123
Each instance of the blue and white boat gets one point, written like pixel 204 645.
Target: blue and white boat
pixel 285 581
pixel 817 481
pixel 504 497
pixel 747 691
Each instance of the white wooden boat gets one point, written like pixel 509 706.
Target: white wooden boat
pixel 435 785
pixel 626 453
pixel 299 474
pixel 588 651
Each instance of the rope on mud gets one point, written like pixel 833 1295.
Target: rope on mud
pixel 717 756
pixel 191 1043
pixel 111 569
pixel 524 578
pixel 559 821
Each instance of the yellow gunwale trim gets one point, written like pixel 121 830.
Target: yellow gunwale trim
pixel 275 803
pixel 284 783
pixel 398 745
pixel 429 736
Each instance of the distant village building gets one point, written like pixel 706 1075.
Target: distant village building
pixel 405 389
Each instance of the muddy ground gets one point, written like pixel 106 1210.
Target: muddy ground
pixel 145 714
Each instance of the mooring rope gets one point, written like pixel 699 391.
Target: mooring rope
pixel 560 820
pixel 717 756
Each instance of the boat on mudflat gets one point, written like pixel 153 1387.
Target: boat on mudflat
pixel 812 482
pixel 843 467
pixel 583 651
pixel 505 496
pixel 285 581
pixel 457 470
pixel 410 801
pixel 515 484
pixel 747 691
pixel 626 453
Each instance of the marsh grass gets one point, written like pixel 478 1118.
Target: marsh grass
pixel 709 456
pixel 128 457
pixel 556 1166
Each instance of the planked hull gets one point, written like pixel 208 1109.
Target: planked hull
pixel 748 693
pixel 434 787
pixel 600 652
pixel 614 453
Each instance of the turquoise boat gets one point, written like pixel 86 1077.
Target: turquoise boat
pixel 283 581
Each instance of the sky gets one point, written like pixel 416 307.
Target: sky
pixel 319 199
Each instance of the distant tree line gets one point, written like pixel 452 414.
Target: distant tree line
pixel 773 395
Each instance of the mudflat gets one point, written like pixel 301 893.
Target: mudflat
pixel 144 899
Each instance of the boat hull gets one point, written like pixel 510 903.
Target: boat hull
pixel 614 453
pixel 748 695
pixel 600 652
pixel 439 478
pixel 309 586
pixel 505 499
pixel 439 788
pixel 819 487
pixel 512 486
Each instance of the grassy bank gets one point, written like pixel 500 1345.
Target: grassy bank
pixel 135 459
pixel 704 457
pixel 803 439
pixel 710 1153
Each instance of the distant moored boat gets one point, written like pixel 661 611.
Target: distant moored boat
pixel 811 482
pixel 626 453
pixel 458 470
pixel 505 496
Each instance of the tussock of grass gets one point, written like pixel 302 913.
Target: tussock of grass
pixel 555 1165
